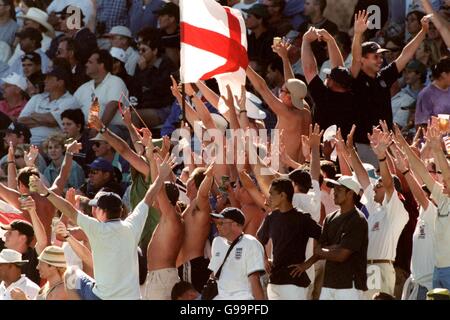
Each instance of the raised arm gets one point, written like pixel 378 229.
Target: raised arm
pixel 209 94
pixel 79 248
pixel 60 203
pixel 360 27
pixel 248 184
pixel 261 86
pixel 314 140
pixel 203 190
pixel 439 22
pixel 336 59
pixel 121 147
pixel 380 145
pixel 415 162
pixel 39 230
pixel 356 163
pixel 12 171
pixel 165 168
pixel 282 50
pixel 342 154
pixel 434 137
pixel 410 49
pixel 10 195
pixel 61 179
pixel 308 60
pixel 401 163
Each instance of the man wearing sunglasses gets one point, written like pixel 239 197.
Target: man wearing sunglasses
pixel 101 175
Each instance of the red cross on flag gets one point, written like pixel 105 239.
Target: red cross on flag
pixel 213 44
pixel 8 214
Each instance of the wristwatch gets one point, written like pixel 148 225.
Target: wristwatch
pixel 103 130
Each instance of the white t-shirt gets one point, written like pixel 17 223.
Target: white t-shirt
pixel 386 223
pixel 114 251
pixel 422 260
pixel 41 103
pixel 309 203
pixel 441 228
pixel 246 258
pixel 110 89
pixel 30 288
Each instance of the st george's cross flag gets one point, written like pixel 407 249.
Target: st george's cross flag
pixel 213 44
pixel 8 214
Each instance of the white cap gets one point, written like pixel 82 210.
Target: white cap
pixel 17 80
pixel 119 54
pixel 349 182
pixel 252 105
pixel 120 31
pixel 330 133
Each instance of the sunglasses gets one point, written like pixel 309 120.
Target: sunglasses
pixel 97 144
pixel 92 171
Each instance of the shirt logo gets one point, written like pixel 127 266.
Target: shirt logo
pixel 217 254
pixel 376 226
pixel 383 84
pixel 238 253
pixel 422 231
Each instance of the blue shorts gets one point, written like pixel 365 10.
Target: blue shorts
pixel 85 286
pixel 441 278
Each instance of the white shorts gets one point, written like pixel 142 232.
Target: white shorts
pixel 159 284
pixel 286 292
pixel 341 294
pixel 380 278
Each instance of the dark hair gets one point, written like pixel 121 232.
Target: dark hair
pixel 283 185
pixel 419 14
pixel 76 115
pixel 382 296
pixel 105 58
pixel 344 39
pixel 24 175
pixel 181 288
pixel 172 192
pixel 322 5
pixel 441 67
pixel 198 175
pixel 276 64
pixel 72 45
pixel 12 8
pixel 279 3
pixel 151 37
pixel 329 168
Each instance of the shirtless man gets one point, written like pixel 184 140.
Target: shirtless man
pixel 163 250
pixel 192 265
pixel 294 116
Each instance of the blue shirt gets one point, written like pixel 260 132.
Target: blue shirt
pixel 142 16
pixel 112 13
pixel 76 178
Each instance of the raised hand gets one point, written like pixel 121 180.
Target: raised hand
pixel 340 143
pixel 188 89
pixel 31 155
pixel 315 135
pixel 74 147
pixel 361 22
pixel 70 196
pixel 324 35
pixel 126 116
pixel 166 166
pixel 380 146
pixel 174 88
pixel 306 149
pixel 11 152
pixel 165 147
pixel 433 136
pixel 349 141
pixel 36 184
pixel 310 35
pixel 400 160
pixel 229 99
pixel 425 22
pixel 282 49
pixel 61 230
pixel 28 204
pixel 95 122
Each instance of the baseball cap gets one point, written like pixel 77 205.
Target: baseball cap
pixel 118 54
pixel 341 75
pixel 168 8
pixel 347 181
pixel 372 47
pixel 298 91
pixel 60 73
pixel 438 294
pixel 98 137
pixel 22 226
pixel 68 10
pixel 259 10
pixel 234 214
pixel 302 178
pixel 120 31
pixel 16 80
pixel 106 201
pixel 32 56
pixel 102 165
pixel 19 129
pixel 31 33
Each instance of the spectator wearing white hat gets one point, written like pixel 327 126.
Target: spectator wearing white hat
pixel 119 68
pixel 10 272
pixel 15 98
pixel 122 38
pixel 51 266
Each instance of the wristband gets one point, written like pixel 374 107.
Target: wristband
pixel 381 160
pixel 70 153
pixel 68 235
pixel 103 130
pixel 47 195
pixel 11 162
pixel 242 111
pixel 406 172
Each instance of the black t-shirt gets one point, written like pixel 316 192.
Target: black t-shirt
pixel 29 269
pixel 373 98
pixel 289 232
pixel 260 49
pixel 332 107
pixel 350 231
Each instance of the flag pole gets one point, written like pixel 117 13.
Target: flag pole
pixel 183 105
